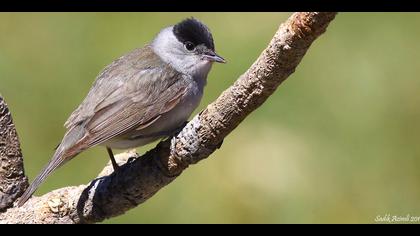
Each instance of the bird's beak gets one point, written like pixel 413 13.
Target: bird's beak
pixel 213 57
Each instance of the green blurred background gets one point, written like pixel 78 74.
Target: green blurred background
pixel 338 142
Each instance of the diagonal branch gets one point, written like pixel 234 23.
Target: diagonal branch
pixel 112 194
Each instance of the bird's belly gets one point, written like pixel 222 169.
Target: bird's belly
pixel 166 124
pixel 121 143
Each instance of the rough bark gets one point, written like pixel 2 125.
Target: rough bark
pixel 140 177
pixel 13 181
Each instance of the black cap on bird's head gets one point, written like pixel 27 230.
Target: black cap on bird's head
pixel 194 34
pixel 192 30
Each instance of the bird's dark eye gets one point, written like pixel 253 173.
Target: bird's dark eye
pixel 189 46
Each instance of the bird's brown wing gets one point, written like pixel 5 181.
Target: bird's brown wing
pixel 129 113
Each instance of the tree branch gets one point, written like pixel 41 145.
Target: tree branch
pixel 112 194
pixel 13 181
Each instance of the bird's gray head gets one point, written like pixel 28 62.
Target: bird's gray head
pixel 188 47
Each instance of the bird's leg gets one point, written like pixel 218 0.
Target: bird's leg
pixel 111 156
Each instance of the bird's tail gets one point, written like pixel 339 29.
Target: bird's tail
pixel 61 156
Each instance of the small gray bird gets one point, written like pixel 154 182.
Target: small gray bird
pixel 142 96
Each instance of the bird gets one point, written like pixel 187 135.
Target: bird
pixel 144 95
